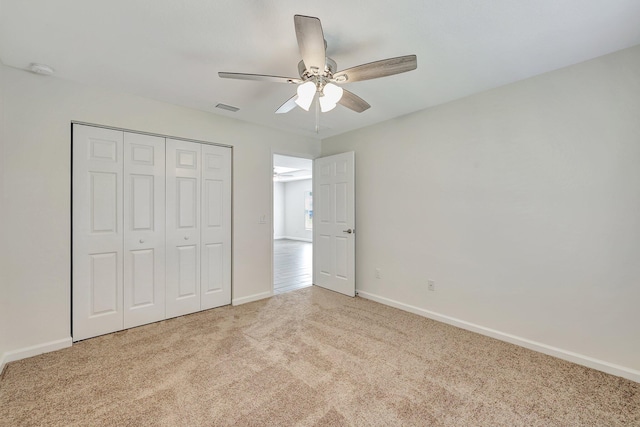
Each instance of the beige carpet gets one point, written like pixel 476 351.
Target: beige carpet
pixel 313 358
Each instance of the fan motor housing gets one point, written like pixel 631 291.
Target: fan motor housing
pixel 329 68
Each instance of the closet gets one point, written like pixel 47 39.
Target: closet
pixel 151 229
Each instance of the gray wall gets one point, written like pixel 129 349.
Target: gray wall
pixel 521 203
pixel 278 210
pixel 294 210
pixel 288 210
pixel 35 210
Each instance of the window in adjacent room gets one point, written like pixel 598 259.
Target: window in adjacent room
pixel 308 210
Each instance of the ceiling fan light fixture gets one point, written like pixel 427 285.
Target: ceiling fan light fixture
pixel 332 92
pixel 306 92
pixel 326 104
pixel 316 70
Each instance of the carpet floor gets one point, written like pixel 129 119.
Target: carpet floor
pixel 311 358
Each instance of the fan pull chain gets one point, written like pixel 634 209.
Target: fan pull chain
pixel 317 114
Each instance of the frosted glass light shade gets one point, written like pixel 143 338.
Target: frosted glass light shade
pixel 332 92
pixel 326 104
pixel 331 96
pixel 306 92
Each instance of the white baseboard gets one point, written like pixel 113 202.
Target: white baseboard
pixel 23 353
pixel 580 359
pixel 278 237
pixel 251 298
pixel 300 239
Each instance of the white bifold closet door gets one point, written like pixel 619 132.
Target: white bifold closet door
pixel 215 279
pixel 183 227
pixel 198 227
pixel 98 231
pixel 151 229
pixel 144 225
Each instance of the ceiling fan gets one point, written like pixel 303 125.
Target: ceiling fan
pixel 281 174
pixel 319 75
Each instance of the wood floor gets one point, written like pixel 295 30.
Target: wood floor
pixel 292 262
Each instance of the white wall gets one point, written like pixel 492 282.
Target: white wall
pixel 294 210
pixel 522 203
pixel 35 286
pixel 278 210
pixel 4 301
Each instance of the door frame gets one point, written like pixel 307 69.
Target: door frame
pixel 313 177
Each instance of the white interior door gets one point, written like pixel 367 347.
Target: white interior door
pixel 97 272
pixel 334 223
pixel 215 272
pixel 183 227
pixel 144 229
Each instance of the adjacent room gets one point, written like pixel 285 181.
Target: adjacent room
pixel 292 223
pixel 335 213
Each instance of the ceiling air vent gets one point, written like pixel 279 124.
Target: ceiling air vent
pixel 227 107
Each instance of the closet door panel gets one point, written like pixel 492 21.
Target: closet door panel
pixel 187 264
pixel 144 235
pixel 216 226
pixel 183 169
pixel 151 229
pixel 97 232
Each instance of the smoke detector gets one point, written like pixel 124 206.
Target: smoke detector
pixel 42 69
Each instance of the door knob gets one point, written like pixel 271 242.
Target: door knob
pixel 186 237
pixel 141 240
pixel 349 231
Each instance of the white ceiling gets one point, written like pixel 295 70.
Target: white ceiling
pixel 291 168
pixel 172 50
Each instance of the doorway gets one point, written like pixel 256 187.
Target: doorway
pixel 292 223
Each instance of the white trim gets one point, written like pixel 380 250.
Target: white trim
pixel 580 359
pixel 279 237
pixel 34 350
pixel 300 239
pixel 199 141
pixel 251 298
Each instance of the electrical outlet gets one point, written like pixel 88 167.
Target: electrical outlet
pixel 431 285
pixel 378 273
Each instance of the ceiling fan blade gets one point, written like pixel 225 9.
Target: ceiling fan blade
pixel 311 42
pixel 353 102
pixel 373 70
pixel 289 105
pixel 259 77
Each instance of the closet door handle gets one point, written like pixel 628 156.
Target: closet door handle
pixel 141 240
pixel 186 237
